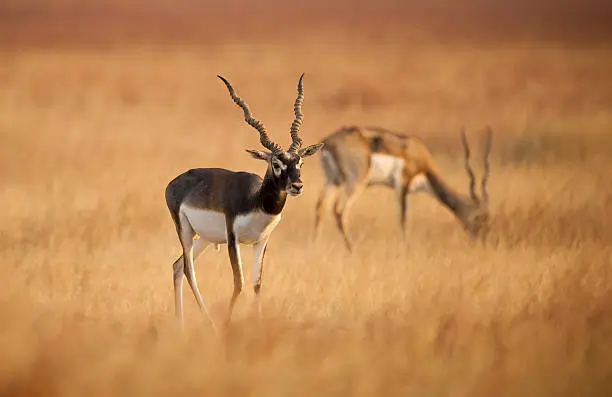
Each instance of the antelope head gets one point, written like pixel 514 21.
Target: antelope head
pixel 475 215
pixel 284 166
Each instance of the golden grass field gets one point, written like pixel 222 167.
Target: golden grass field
pixel 90 136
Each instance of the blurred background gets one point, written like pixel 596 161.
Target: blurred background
pixel 103 102
pixel 206 22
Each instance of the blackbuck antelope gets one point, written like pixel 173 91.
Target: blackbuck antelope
pixel 355 158
pixel 226 207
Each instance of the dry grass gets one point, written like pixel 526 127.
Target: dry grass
pixel 91 137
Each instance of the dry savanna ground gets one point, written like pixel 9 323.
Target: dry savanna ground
pixel 90 137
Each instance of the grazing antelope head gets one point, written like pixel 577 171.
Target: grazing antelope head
pixel 474 213
pixel 284 166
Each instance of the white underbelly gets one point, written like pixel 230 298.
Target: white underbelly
pixel 385 169
pixel 248 228
pixel 209 225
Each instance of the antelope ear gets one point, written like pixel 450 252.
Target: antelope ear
pixel 259 155
pixel 310 150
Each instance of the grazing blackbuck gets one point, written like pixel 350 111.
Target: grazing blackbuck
pixel 355 158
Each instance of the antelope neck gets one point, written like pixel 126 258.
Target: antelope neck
pixel 271 197
pixel 445 194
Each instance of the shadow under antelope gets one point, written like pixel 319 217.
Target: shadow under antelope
pixel 355 158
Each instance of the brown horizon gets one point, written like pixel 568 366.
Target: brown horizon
pixel 88 23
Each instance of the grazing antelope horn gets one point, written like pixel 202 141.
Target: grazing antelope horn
pixel 299 117
pixel 485 176
pixel 258 125
pixel 468 169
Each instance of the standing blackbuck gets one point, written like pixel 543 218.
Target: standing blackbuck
pixel 226 207
pixel 355 158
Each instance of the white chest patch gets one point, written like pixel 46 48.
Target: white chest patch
pixel 420 184
pixel 386 170
pixel 254 227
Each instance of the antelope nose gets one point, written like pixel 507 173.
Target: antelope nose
pixel 297 185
